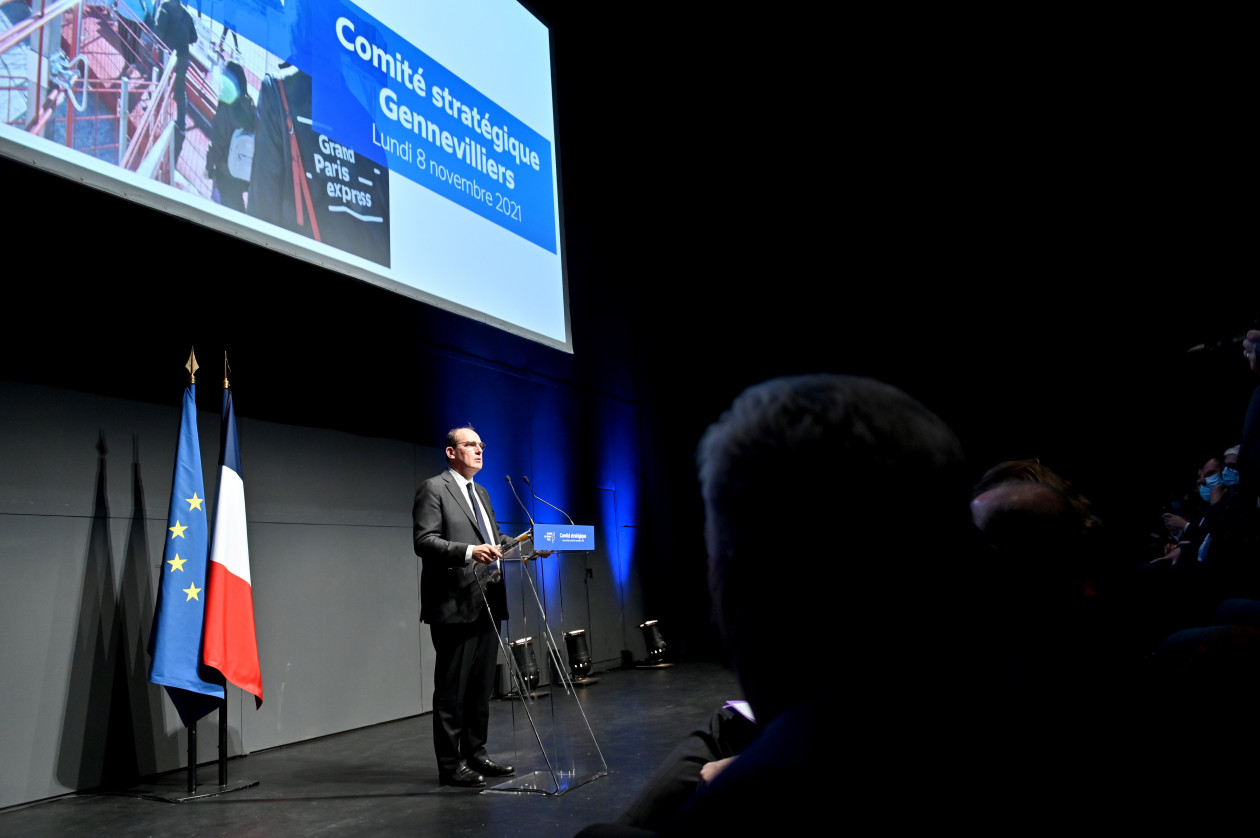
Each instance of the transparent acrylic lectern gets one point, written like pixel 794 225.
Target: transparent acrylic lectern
pixel 549 724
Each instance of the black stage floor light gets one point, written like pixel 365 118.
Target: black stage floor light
pixel 657 650
pixel 579 657
pixel 526 663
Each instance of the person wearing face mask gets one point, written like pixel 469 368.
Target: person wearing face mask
pixel 1229 474
pixel 1182 588
pixel 1216 556
pixel 1211 483
pixel 1191 532
pixel 1225 539
pixel 1236 517
pixel 1213 492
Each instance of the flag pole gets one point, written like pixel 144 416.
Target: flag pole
pixel 192 366
pixel 192 757
pixel 223 719
pixel 223 723
pixel 228 586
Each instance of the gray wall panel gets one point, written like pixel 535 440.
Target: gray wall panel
pixel 338 631
pixel 75 661
pixel 306 475
pixel 39 605
pixel 49 441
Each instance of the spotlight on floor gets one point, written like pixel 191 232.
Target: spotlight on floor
pixel 656 648
pixel 526 664
pixel 579 657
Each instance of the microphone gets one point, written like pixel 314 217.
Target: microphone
pixel 530 533
pixel 1231 342
pixel 508 478
pixel 552 505
pixel 1216 346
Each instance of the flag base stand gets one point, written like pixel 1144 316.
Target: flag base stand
pixel 183 795
pixel 191 791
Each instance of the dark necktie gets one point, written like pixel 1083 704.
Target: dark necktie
pixel 481 519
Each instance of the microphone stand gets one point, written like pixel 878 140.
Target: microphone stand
pixel 552 505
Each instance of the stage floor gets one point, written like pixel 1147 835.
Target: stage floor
pixel 383 780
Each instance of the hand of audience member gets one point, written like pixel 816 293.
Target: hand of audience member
pixel 1175 524
pixel 1172 554
pixel 710 770
pixel 1250 344
pixel 1218 493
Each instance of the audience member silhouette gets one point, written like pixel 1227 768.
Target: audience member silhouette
pixel 856 685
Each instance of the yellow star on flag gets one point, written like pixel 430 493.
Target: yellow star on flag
pixel 177 563
pixel 177 531
pixel 192 592
pixel 194 502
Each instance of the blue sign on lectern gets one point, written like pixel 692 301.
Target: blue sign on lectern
pixel 563 537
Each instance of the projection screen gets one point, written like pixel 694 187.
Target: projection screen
pixel 406 143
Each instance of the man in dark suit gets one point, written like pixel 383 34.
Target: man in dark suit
pixel 456 536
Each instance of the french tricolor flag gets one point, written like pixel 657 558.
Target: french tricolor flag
pixel 230 644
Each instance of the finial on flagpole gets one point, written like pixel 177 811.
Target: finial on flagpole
pixel 226 385
pixel 192 366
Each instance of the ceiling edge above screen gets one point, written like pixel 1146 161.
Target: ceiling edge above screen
pixel 425 137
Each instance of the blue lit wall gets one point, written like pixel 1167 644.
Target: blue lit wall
pixel 580 451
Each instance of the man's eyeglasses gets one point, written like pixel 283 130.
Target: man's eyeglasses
pixel 471 445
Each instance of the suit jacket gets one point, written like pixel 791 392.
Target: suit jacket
pixel 443 527
pixel 750 790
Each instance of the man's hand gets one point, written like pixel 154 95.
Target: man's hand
pixel 1172 553
pixel 486 553
pixel 1249 350
pixel 1175 524
pixel 710 770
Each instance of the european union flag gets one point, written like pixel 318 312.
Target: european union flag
pixel 175 643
